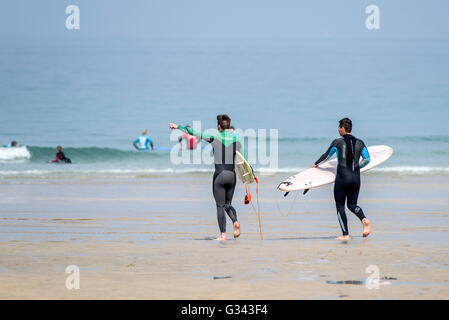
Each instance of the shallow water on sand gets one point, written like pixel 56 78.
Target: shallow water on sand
pixel 413 209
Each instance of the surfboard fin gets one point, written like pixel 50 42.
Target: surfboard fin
pixel 305 191
pixel 286 194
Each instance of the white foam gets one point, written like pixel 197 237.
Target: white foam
pixel 413 170
pixel 37 172
pixel 279 170
pixel 401 170
pixel 17 153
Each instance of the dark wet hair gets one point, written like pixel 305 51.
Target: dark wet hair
pixel 14 143
pixel 224 121
pixel 346 123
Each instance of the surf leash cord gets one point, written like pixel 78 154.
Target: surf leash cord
pixel 292 204
pixel 248 200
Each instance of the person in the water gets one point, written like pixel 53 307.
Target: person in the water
pixel 349 150
pixel 60 156
pixel 143 142
pixel 224 145
pixel 12 144
pixel 191 141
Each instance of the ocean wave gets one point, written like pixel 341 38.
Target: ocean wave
pixel 100 172
pixel 384 140
pixel 405 170
pixel 11 154
pixel 397 170
pixel 92 154
pixel 290 147
pixel 139 172
pixel 412 170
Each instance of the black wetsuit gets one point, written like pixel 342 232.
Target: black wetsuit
pixel 224 145
pixel 347 183
pixel 60 156
pixel 223 185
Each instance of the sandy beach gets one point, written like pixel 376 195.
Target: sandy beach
pixel 149 238
pixel 102 184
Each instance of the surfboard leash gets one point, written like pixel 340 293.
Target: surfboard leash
pixel 249 200
pixel 277 201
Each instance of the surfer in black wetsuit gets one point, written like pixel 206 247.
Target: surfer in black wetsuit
pixel 224 145
pixel 349 150
pixel 60 156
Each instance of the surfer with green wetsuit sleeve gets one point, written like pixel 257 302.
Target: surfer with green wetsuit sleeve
pixel 224 145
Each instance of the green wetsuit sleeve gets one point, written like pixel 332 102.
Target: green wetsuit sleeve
pixel 205 136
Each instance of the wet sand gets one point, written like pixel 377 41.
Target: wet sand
pixel 147 238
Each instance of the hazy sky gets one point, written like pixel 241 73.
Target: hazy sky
pixel 227 18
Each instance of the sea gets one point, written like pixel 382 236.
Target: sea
pixel 94 96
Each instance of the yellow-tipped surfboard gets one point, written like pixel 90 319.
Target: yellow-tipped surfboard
pixel 246 175
pixel 243 169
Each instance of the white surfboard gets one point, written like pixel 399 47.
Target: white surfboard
pixel 243 169
pixel 326 171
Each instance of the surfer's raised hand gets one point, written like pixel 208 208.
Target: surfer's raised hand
pixel 173 125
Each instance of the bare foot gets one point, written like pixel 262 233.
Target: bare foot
pixel 221 238
pixel 343 238
pixel 366 227
pixel 236 229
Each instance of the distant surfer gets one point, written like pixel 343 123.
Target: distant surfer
pixel 60 156
pixel 143 142
pixel 349 150
pixel 191 141
pixel 224 145
pixel 12 144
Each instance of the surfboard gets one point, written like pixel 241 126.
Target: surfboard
pixel 243 169
pixel 161 148
pixel 326 172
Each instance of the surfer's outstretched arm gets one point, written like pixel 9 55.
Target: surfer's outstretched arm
pixel 329 153
pixel 202 135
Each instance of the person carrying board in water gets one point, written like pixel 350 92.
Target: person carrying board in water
pixel 143 142
pixel 349 149
pixel 224 145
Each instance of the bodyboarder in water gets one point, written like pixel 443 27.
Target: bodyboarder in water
pixel 224 145
pixel 60 156
pixel 349 150
pixel 143 142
